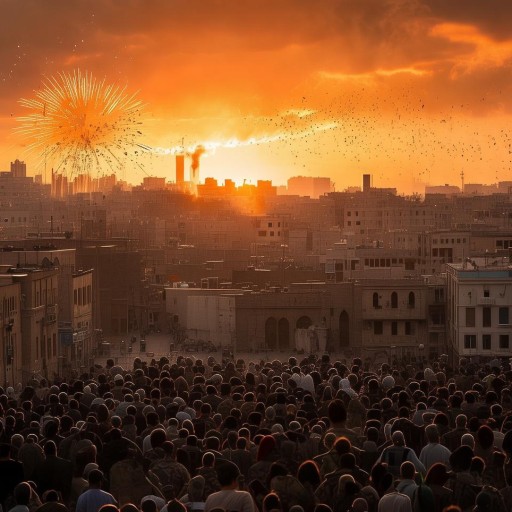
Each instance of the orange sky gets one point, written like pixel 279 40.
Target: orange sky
pixel 413 91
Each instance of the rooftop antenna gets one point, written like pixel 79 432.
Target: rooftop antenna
pixel 462 181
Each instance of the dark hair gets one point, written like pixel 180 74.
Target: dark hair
pixel 337 412
pixel 308 472
pixel 227 473
pixel 95 477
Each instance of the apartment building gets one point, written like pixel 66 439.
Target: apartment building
pixel 479 302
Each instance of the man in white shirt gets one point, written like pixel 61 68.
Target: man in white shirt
pixel 434 451
pixel 92 499
pixel 229 497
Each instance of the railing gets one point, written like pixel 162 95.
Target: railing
pixel 486 301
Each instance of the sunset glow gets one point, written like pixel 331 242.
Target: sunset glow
pixel 412 91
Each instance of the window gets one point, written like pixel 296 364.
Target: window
pixel 504 341
pixel 54 343
pixel 486 342
pixel 470 317
pixel 376 304
pixel 408 328
pixel 412 300
pixel 394 328
pixel 262 233
pixel 486 317
pixel 377 327
pixel 469 341
pixel 486 293
pixel 503 316
pixel 394 300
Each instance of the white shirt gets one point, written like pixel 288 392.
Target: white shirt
pixel 395 502
pixel 435 452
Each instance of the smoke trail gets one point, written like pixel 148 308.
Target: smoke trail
pixel 194 165
pixel 211 146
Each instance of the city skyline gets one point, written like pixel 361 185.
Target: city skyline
pixel 411 92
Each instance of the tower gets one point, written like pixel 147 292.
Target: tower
pixel 367 182
pixel 18 169
pixel 180 168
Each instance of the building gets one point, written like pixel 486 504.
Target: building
pixel 479 300
pixel 314 187
pixel 75 305
pixel 40 351
pixel 18 169
pixel 393 317
pixel 180 168
pixel 10 332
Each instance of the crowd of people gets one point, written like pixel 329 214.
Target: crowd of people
pixel 302 435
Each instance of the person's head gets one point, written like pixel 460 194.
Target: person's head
pixel 460 459
pixel 432 433
pixel 227 474
pixel 407 470
pixel 468 440
pixel 108 508
pixel 485 437
pixel 397 438
pixel 22 493
pixel 337 412
pixel 461 421
pixel 129 507
pixel 477 465
pixel 360 505
pixel 271 502
pixel 208 459
pixel 437 474
pixel 148 505
pixel 50 448
pixel 308 472
pixel 95 478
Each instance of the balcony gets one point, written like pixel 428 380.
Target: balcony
pixel 486 301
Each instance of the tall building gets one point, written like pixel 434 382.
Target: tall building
pixel 18 169
pixel 180 168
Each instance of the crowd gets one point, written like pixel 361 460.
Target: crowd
pixel 302 435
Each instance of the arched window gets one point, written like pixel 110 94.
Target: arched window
pixel 283 333
pixel 376 300
pixel 394 300
pixel 271 333
pixel 412 300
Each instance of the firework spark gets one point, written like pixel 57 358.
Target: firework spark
pixel 81 124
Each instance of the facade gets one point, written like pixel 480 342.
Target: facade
pixel 39 321
pixel 393 316
pixel 479 304
pixel 10 332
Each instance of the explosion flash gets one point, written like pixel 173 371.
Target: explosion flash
pixel 81 124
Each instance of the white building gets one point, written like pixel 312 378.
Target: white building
pixel 479 300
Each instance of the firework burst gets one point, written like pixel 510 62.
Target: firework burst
pixel 80 124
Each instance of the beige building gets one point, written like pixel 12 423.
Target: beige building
pixel 40 351
pixel 393 316
pixel 10 332
pixel 479 299
pixel 75 306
